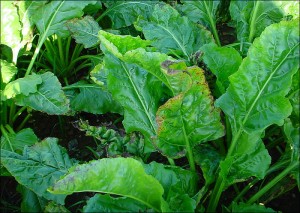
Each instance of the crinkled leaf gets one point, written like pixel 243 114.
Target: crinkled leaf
pixel 22 86
pixel 208 158
pixel 84 31
pixel 48 98
pixel 294 96
pixel 50 17
pixel 250 18
pixel 125 13
pixel 222 61
pixel 8 71
pixel 16 142
pixel 92 98
pixel 106 203
pixel 292 134
pixel 243 207
pixel 251 159
pixel 171 33
pixel 255 98
pixel 39 167
pixel 188 119
pixel 119 176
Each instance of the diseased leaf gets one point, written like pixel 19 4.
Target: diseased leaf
pixel 22 86
pixel 48 98
pixel 50 17
pixel 222 61
pixel 255 98
pixel 188 119
pixel 39 167
pixel 106 203
pixel 126 177
pixel 125 13
pixel 8 71
pixel 243 207
pixel 84 31
pixel 17 142
pixel 172 34
pixel 92 98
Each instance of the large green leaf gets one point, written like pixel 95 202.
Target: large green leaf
pixel 171 33
pixel 106 203
pixel 255 98
pixel 24 86
pixel 84 31
pixel 48 98
pixel 16 142
pixel 188 119
pixel 39 167
pixel 203 12
pixel 222 61
pixel 92 98
pixel 125 13
pixel 119 176
pixel 50 17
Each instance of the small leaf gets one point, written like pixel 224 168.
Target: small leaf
pixel 171 33
pixel 243 207
pixel 39 167
pixel 125 13
pixel 22 86
pixel 106 203
pixel 84 31
pixel 48 98
pixel 17 142
pixel 54 207
pixel 119 176
pixel 92 98
pixel 8 71
pixel 222 61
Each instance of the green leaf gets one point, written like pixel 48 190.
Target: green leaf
pixel 125 13
pixel 48 98
pixel 188 119
pixel 16 142
pixel 119 176
pixel 54 207
pixel 222 61
pixel 208 158
pixel 84 31
pixel 171 33
pixel 39 167
pixel 250 159
pixel 255 98
pixel 202 12
pixel 106 203
pixel 294 96
pixel 92 98
pixel 22 86
pixel 250 18
pixel 8 71
pixel 50 17
pixel 243 207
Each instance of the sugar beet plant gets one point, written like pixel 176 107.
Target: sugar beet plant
pixel 182 92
